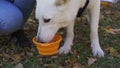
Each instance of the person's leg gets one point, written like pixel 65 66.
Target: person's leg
pixel 11 18
pixel 25 7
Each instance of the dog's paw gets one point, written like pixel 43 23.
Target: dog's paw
pixel 96 49
pixel 64 50
pixel 98 52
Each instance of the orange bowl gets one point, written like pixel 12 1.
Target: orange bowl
pixel 105 4
pixel 50 48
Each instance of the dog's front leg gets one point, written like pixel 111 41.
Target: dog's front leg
pixel 94 16
pixel 69 39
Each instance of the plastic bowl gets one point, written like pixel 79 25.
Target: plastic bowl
pixel 48 48
pixel 105 4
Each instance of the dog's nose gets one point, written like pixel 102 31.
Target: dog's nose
pixel 47 20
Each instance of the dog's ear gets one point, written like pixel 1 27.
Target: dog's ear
pixel 61 2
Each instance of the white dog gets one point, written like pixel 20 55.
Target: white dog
pixel 55 14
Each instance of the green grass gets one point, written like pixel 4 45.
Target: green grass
pixel 80 51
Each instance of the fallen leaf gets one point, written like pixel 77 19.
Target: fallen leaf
pixel 0 65
pixel 1 55
pixel 6 57
pixel 60 67
pixel 71 60
pixel 112 31
pixel 19 65
pixel 29 53
pixel 91 60
pixel 113 52
pixel 16 57
pixel 53 57
pixel 48 66
pixel 76 65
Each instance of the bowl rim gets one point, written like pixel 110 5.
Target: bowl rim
pixel 47 44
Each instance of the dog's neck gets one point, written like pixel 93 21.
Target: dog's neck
pixel 74 6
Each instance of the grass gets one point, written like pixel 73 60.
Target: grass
pixel 81 50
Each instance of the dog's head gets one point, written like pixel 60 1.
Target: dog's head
pixel 51 15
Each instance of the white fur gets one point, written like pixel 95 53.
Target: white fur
pixel 63 16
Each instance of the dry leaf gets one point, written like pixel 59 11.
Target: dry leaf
pixel 60 67
pixel 48 65
pixel 16 57
pixel 91 60
pixel 112 31
pixel 0 65
pixel 76 65
pixel 19 65
pixel 113 52
pixel 6 57
pixel 29 53
pixel 53 57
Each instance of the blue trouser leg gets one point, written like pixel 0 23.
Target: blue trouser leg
pixel 11 18
pixel 25 6
pixel 13 15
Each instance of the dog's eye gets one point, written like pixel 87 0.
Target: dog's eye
pixel 47 20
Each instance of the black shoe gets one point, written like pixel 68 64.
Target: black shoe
pixel 22 39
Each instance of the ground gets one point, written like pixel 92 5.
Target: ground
pixel 13 56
